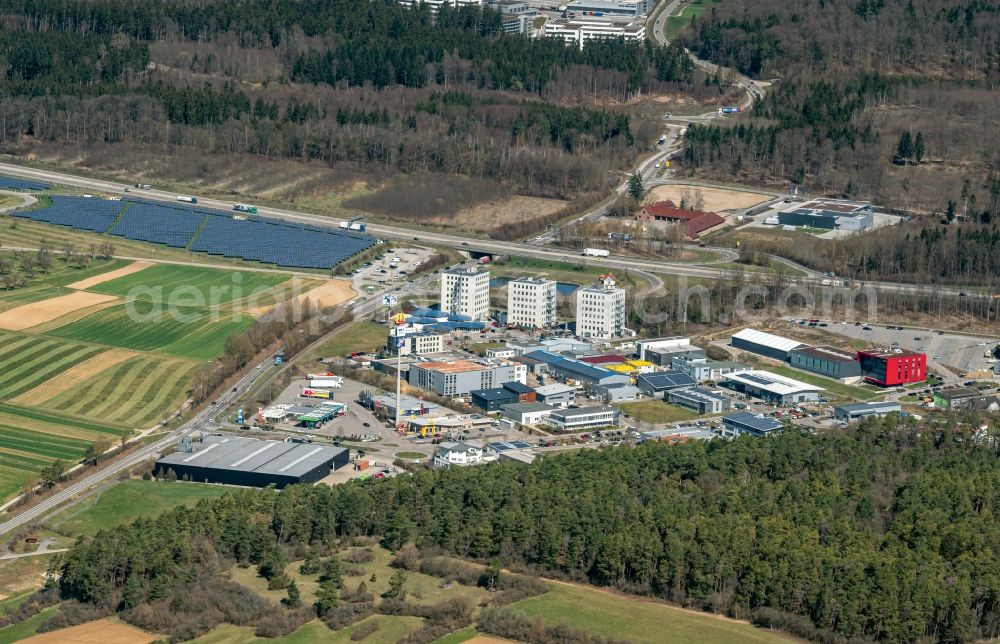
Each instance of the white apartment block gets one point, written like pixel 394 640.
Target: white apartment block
pixel 466 292
pixel 580 29
pixel 600 310
pixel 531 303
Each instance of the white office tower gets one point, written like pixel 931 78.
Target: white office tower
pixel 466 292
pixel 600 310
pixel 531 303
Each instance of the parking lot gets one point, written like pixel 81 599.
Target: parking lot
pixel 391 271
pixel 960 352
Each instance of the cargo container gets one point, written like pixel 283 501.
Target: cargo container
pixel 361 464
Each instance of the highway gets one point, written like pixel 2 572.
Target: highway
pixel 488 246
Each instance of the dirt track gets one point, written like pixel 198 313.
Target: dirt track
pixel 35 313
pixel 73 376
pixel 103 631
pixel 714 199
pixel 134 267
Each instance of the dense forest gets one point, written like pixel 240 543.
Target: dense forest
pixel 851 79
pixel 380 90
pixel 885 532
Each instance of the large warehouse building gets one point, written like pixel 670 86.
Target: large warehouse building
pixel 772 388
pixel 234 460
pixel 828 361
pixel 765 344
pixel 834 214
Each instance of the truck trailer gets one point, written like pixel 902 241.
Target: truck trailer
pixel 187 199
pixel 242 207
pixel 596 252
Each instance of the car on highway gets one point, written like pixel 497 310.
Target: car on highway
pixel 366 424
pixel 938 358
pixel 866 328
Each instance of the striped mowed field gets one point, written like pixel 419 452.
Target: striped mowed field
pixel 192 332
pixel 189 284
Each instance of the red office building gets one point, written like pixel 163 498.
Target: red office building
pixel 890 368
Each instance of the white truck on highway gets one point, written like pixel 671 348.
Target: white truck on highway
pixel 187 199
pixel 596 252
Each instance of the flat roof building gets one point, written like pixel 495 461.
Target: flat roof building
pixel 744 422
pixel 490 400
pixel 530 413
pixel 827 361
pixel 627 8
pixel 893 367
pixel 772 388
pixel 765 344
pixel 384 405
pixel 466 291
pixel 956 398
pixel 676 435
pixel 579 30
pixel 460 377
pixel 832 214
pixel 600 310
pixel 556 394
pixel 583 418
pixel 235 460
pixel 660 382
pixel 705 370
pixel 587 374
pixel 855 411
pixel 700 399
pixel 531 303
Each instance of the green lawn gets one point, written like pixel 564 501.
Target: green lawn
pixel 638 620
pixel 189 284
pixel 658 412
pixel 193 332
pixel 567 271
pixel 357 337
pixel 675 24
pixel 833 388
pixel 127 501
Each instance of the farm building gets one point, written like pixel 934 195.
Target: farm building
pixel 772 388
pixel 765 344
pixel 234 460
pixel 827 361
pixel 693 222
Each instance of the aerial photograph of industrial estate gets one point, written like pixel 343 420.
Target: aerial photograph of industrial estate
pixel 441 321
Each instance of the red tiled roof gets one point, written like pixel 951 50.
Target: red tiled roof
pixel 667 210
pixel 700 224
pixel 610 359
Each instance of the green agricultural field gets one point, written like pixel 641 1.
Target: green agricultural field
pixel 189 285
pixel 127 501
pixel 391 629
pixel 29 360
pixel 638 620
pixel 191 332
pixel 27 628
pixel 137 393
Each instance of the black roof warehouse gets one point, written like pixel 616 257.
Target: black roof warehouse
pixel 250 462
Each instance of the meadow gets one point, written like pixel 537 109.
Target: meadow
pixel 26 361
pixel 193 332
pixel 172 282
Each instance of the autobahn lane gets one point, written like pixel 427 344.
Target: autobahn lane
pixel 491 246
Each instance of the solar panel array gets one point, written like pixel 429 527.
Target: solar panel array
pixel 85 213
pixel 159 224
pixel 214 232
pixel 667 379
pixel 760 380
pixel 13 183
pixel 274 242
